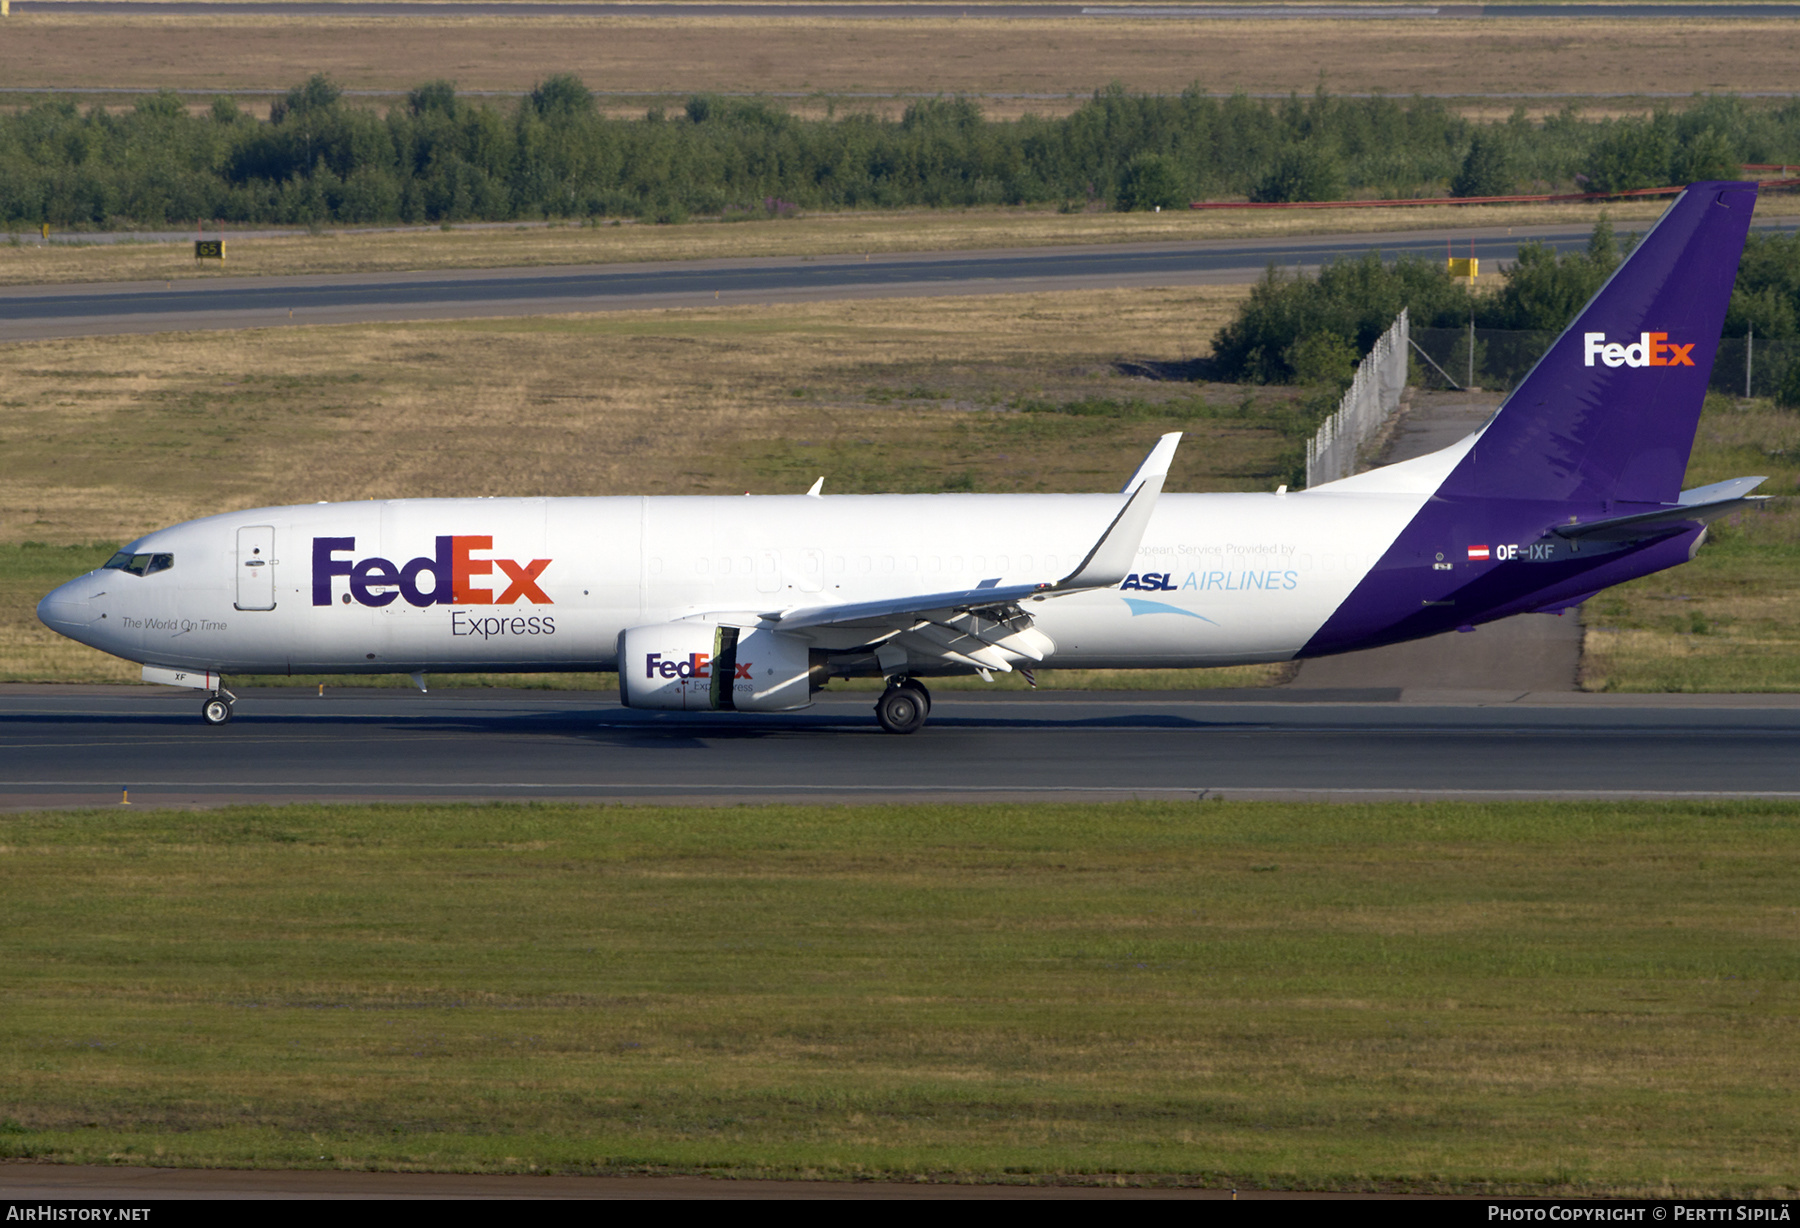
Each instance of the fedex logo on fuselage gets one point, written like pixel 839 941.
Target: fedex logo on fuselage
pixel 697 666
pixel 452 568
pixel 1650 350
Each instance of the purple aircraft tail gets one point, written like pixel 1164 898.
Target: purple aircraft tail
pixel 1609 413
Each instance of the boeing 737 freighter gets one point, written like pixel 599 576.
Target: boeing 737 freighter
pixel 752 604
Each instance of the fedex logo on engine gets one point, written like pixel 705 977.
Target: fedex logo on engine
pixel 1650 350
pixel 453 570
pixel 698 665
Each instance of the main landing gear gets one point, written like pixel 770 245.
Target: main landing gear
pixel 217 708
pixel 904 706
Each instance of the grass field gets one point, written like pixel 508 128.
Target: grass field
pixel 863 64
pixel 1537 998
pixel 69 259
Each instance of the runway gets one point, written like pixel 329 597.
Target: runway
pixel 62 746
pixel 69 310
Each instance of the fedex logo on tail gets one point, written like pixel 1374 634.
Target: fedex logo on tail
pixel 453 570
pixel 1650 350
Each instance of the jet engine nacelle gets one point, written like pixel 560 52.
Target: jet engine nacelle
pixel 693 667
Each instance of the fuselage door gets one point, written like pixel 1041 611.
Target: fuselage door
pixel 768 571
pixel 812 571
pixel 256 567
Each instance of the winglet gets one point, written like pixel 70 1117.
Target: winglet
pixel 814 492
pixel 1110 560
pixel 1156 465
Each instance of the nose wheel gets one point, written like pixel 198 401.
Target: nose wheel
pixel 904 706
pixel 217 708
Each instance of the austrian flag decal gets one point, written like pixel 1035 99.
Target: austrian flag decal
pixel 1478 554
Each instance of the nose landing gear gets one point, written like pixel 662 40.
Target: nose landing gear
pixel 904 706
pixel 217 708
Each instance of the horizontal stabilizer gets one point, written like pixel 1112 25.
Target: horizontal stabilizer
pixel 1702 505
pixel 1731 488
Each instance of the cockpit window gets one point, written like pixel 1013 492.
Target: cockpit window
pixel 139 564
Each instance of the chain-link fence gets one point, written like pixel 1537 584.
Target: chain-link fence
pixel 1497 359
pixel 1373 397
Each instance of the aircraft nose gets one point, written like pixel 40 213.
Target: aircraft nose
pixel 68 606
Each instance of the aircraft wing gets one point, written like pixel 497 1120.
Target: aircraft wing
pixel 1106 564
pixel 1704 504
pixel 982 627
pixel 897 610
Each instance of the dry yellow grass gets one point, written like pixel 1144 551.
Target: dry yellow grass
pixel 103 439
pixel 366 251
pixel 975 55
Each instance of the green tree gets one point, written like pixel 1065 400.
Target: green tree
pixel 1275 337
pixel 319 94
pixel 1323 358
pixel 1487 169
pixel 164 104
pixel 1631 154
pixel 1767 295
pixel 1303 172
pixel 1788 394
pixel 1544 291
pixel 562 96
pixel 1150 181
pixel 434 97
pixel 1708 155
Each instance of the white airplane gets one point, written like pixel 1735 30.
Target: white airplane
pixel 753 604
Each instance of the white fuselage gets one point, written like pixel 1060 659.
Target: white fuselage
pixel 1219 579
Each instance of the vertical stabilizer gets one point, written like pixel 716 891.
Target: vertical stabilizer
pixel 1609 413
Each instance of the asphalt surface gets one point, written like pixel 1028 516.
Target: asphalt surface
pixel 84 746
pixel 37 312
pixel 893 12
